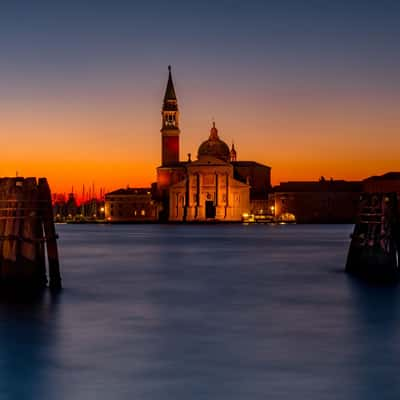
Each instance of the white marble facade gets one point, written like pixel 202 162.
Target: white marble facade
pixel 209 192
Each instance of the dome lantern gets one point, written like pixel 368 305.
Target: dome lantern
pixel 214 146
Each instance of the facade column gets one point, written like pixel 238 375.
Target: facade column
pixel 218 213
pixel 196 215
pixel 216 190
pixel 190 197
pixel 227 195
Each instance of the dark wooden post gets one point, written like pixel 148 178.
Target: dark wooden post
pixel 50 234
pixel 32 235
pixel 3 215
pixel 374 250
pixel 10 249
pixel 26 223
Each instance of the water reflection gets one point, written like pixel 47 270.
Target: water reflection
pixel 28 336
pixel 196 312
pixel 375 348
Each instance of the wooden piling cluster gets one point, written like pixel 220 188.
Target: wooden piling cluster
pixel 375 242
pixel 27 233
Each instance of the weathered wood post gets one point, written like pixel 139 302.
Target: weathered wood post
pixel 50 234
pixel 32 234
pixel 375 243
pixel 26 230
pixel 12 205
pixel 3 214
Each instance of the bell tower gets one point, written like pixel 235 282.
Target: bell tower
pixel 170 125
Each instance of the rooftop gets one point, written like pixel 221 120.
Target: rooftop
pixel 249 164
pixel 319 186
pixel 131 191
pixel 384 177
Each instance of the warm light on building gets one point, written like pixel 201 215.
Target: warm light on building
pixel 130 205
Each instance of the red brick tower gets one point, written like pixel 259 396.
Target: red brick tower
pixel 171 170
pixel 170 125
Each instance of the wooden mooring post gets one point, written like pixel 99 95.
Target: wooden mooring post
pixel 375 243
pixel 26 232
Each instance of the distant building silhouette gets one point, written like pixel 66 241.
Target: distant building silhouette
pixel 389 182
pixel 323 201
pixel 131 205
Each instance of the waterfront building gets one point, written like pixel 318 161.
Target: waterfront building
pixel 208 189
pixel 323 201
pixel 215 186
pixel 131 205
pixel 389 182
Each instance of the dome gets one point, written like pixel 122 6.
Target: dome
pixel 214 146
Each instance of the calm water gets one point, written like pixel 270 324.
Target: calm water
pixel 203 312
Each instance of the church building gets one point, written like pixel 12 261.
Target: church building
pixel 215 186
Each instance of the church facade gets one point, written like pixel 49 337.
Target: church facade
pixel 208 192
pixel 215 186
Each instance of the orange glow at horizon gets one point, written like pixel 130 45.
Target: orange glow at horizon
pixel 302 134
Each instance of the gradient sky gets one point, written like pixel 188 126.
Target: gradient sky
pixel 310 87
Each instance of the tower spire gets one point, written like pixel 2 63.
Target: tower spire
pixel 214 132
pixel 233 153
pixel 170 124
pixel 170 95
